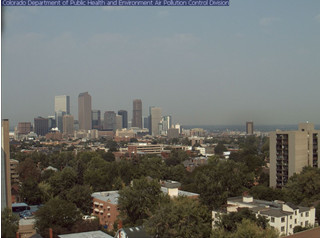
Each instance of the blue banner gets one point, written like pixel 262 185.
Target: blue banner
pixel 115 2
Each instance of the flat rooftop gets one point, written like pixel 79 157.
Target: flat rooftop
pixel 107 196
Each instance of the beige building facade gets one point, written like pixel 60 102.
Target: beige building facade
pixel 290 151
pixel 84 111
pixel 68 122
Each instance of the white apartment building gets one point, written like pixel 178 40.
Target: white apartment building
pixel 282 216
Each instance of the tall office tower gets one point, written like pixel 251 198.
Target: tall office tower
pixel 62 103
pixel 96 119
pixel 84 111
pixel 249 127
pixel 24 128
pixel 290 151
pixel 146 122
pixel 52 122
pixel 155 118
pixel 166 123
pixel 68 128
pixel 41 126
pixel 119 122
pixel 109 120
pixel 137 113
pixel 59 119
pixel 124 115
pixel 5 166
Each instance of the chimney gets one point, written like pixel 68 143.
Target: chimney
pixel 17 235
pixel 50 233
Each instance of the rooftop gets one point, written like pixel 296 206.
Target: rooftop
pixel 90 234
pixel 136 232
pixel 107 196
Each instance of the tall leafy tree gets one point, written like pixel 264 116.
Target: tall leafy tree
pixel 9 224
pixel 181 217
pixel 80 195
pixel 220 180
pixel 139 201
pixel 58 214
pixel 63 181
pixel 304 188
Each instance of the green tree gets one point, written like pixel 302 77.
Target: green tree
pixel 246 229
pixel 80 195
pixel 9 224
pixel 139 201
pixel 176 157
pixel 62 182
pixel 229 221
pixel 181 217
pixel 304 188
pixel 219 149
pixel 221 179
pixel 28 170
pixel 267 193
pixel 58 214
pixel 30 192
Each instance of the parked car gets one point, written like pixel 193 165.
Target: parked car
pixel 26 214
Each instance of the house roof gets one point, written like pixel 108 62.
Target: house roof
pixel 107 196
pixel 136 232
pixel 312 233
pixel 89 234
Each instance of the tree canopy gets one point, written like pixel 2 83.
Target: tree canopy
pixel 139 201
pixel 9 224
pixel 182 217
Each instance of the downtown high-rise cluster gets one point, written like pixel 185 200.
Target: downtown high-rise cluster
pixel 90 119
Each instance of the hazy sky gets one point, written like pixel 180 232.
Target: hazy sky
pixel 254 60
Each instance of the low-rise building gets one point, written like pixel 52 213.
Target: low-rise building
pixel 105 207
pixel 144 148
pixel 282 216
pixel 172 189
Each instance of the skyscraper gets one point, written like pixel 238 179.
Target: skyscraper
pixel 5 166
pixel 68 122
pixel 137 113
pixel 59 116
pixel 124 115
pixel 119 122
pixel 41 126
pixel 96 119
pixel 166 123
pixel 155 118
pixel 249 127
pixel 62 103
pixel 84 111
pixel 290 151
pixel 109 120
pixel 146 122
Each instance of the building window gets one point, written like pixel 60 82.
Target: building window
pixel 301 223
pixel 295 221
pixel 295 212
pixel 301 214
pixel 307 214
pixel 282 228
pixel 272 219
pixel 306 223
pixel 290 217
pixel 283 219
pixel 290 226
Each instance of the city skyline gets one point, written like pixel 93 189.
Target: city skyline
pixel 251 61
